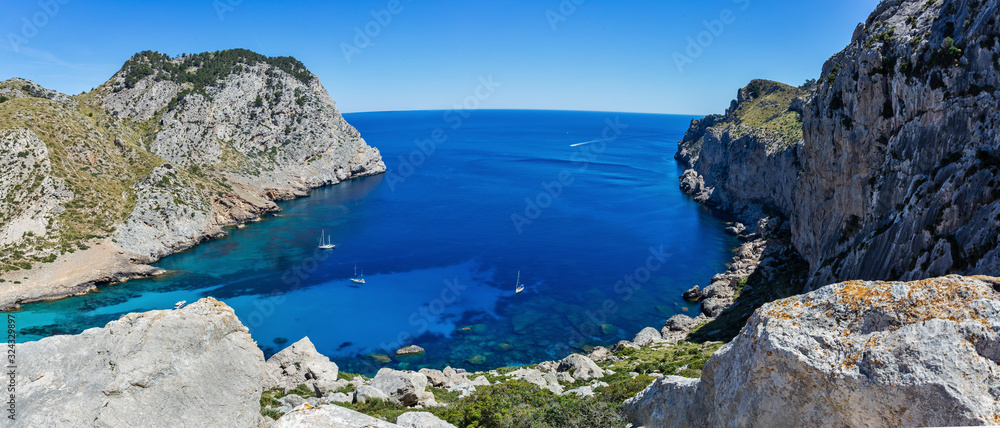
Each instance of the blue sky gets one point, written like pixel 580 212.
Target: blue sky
pixel 546 54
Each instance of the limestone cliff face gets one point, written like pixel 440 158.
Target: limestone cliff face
pixel 266 120
pixel 858 353
pixel 746 160
pixel 156 160
pixel 896 176
pixel 902 154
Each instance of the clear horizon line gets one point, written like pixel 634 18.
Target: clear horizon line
pixel 528 109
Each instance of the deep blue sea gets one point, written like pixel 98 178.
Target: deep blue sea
pixel 584 205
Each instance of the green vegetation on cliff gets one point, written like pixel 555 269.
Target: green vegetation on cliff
pixel 510 402
pixel 767 108
pixel 204 69
pixel 92 155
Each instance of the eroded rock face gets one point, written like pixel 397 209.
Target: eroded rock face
pixel 924 353
pixel 196 366
pixel 745 160
pixel 900 171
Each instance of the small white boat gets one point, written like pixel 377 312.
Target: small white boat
pixel 325 245
pixel 180 304
pixel 518 287
pixel 240 226
pixel 358 279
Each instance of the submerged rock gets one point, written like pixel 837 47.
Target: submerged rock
pixel 380 359
pixel 410 350
pixel 196 366
pixel 924 353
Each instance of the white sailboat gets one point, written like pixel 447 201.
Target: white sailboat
pixel 358 279
pixel 325 245
pixel 518 287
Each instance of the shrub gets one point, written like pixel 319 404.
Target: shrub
pixel 620 391
pixel 519 403
pixel 303 391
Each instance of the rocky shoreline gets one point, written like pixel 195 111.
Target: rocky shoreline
pixel 857 338
pixel 156 160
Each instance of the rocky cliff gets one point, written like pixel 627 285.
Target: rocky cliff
pixel 746 161
pixel 155 160
pixel 858 353
pixel 896 174
pixel 901 158
pixel 196 366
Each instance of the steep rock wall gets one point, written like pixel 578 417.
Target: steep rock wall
pixel 902 154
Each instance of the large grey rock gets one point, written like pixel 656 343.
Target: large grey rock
pixel 365 392
pixel 580 367
pixel 329 416
pixel 407 388
pixel 678 326
pixel 302 364
pixel 585 391
pixel 647 336
pixel 923 353
pixel 421 420
pixel 291 400
pixel 547 380
pixel 197 366
pixel 436 378
pixel 669 401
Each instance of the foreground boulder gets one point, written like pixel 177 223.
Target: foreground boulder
pixel 580 367
pixel 302 364
pixel 196 366
pixel 924 353
pixel 421 420
pixel 329 416
pixel 406 388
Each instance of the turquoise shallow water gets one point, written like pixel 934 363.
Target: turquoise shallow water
pixel 585 205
